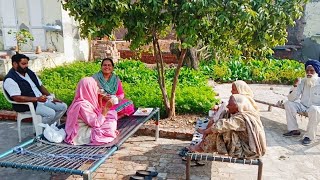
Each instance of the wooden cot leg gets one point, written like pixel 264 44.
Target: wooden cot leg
pixel 269 108
pixel 260 167
pixel 188 168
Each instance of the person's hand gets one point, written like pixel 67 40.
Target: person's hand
pixel 215 108
pixel 42 98
pixel 106 97
pixel 56 100
pixel 106 108
pixel 296 82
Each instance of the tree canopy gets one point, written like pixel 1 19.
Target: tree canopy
pixel 248 28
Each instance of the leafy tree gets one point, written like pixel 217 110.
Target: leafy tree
pixel 246 27
pixel 146 22
pixel 250 28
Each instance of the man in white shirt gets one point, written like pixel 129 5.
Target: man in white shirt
pixel 23 85
pixel 305 97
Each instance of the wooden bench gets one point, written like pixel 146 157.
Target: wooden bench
pixel 278 105
pixel 39 154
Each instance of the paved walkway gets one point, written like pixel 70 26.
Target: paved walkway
pixel 286 158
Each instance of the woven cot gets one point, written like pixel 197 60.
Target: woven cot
pixel 39 154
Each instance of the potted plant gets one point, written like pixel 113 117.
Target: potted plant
pixel 22 37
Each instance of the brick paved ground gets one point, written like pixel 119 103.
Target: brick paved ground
pixel 286 158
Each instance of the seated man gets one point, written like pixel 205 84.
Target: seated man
pixel 23 85
pixel 240 136
pixel 304 98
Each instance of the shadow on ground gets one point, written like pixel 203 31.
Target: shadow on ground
pixel 274 131
pixel 165 159
pixel 9 139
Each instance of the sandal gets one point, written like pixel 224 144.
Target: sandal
pixel 197 163
pixel 194 162
pixel 140 178
pixel 146 173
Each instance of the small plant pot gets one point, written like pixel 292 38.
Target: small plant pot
pixel 38 50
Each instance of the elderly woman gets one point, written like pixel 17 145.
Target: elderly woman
pixel 241 136
pixel 88 122
pixel 111 85
pixel 220 111
pixel 241 87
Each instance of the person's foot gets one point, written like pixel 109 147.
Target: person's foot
pixel 195 148
pixel 306 141
pixel 201 131
pixel 292 133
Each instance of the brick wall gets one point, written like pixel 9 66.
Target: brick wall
pixel 148 58
pixel 102 49
pixel 105 49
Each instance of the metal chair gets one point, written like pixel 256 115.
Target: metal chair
pixel 36 119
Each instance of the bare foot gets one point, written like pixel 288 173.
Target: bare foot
pixel 201 131
pixel 195 148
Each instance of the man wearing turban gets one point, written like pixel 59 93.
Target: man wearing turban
pixel 305 98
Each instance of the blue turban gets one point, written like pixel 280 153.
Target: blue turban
pixel 315 64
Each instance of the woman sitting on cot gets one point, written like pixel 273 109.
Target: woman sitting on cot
pixel 88 121
pixel 240 136
pixel 111 87
pixel 220 111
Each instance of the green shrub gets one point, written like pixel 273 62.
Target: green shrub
pixel 139 83
pixel 4 104
pixel 259 71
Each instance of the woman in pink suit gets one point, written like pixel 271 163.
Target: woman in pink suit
pixel 88 122
pixel 111 86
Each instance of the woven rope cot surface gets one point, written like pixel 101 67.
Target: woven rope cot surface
pixel 42 154
pixel 39 154
pixel 197 138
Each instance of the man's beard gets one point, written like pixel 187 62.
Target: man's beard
pixel 22 70
pixel 311 81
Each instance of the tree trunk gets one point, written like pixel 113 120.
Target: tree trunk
pixel 160 70
pixel 191 58
pixel 175 83
pixel 90 57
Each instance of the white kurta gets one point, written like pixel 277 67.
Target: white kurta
pixel 304 99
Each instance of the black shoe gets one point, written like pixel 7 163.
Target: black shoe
pixel 146 173
pixel 306 141
pixel 292 133
pixel 140 178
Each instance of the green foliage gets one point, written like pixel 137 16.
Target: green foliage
pixel 243 28
pixel 139 83
pixel 197 99
pixel 62 81
pixel 97 18
pixel 4 104
pixel 261 71
pixel 188 77
pixel 134 72
pixel 247 28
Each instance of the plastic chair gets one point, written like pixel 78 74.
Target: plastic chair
pixel 36 119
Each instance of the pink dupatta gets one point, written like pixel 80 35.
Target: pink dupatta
pixel 85 106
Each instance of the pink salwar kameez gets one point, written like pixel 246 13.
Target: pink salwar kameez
pixel 85 123
pixel 125 107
